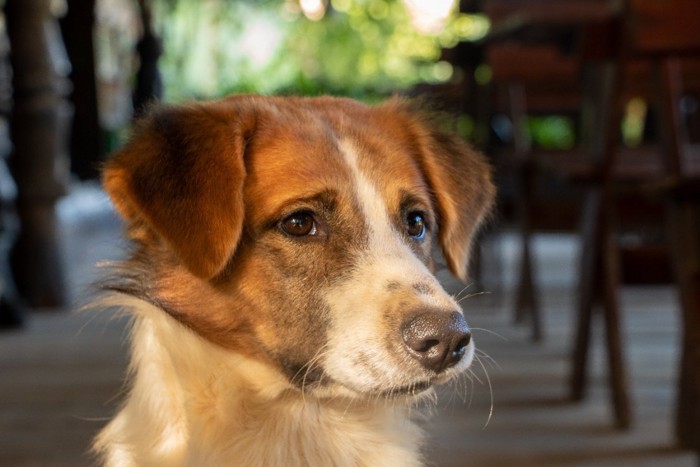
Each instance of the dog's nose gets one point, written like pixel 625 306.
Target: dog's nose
pixel 438 340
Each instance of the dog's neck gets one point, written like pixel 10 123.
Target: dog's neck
pixel 194 403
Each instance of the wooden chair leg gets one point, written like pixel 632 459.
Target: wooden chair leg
pixel 684 241
pixel 590 263
pixel 600 279
pixel 597 106
pixel 685 232
pixel 526 303
pixel 524 294
pixel 613 333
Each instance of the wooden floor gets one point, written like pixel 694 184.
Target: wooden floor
pixel 61 376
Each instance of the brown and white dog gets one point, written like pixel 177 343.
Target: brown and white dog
pixel 285 313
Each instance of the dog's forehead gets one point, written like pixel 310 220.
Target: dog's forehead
pixel 317 154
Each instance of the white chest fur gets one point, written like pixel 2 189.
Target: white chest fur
pixel 192 403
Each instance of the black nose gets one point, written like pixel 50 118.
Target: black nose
pixel 438 340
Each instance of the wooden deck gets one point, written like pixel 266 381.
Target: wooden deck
pixel 61 376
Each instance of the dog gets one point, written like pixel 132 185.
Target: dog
pixel 285 311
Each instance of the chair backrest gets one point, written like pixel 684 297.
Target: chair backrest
pixel 663 26
pixel 550 79
pixel 550 11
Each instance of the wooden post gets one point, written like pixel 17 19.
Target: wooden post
pixel 39 131
pixel 149 85
pixel 11 312
pixel 87 137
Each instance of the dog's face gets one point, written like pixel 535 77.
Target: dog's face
pixel 298 232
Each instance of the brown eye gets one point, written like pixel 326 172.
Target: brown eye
pixel 299 224
pixel 415 225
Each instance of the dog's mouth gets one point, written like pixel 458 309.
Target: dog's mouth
pixel 317 379
pixel 307 377
pixel 392 392
pixel 412 389
pixel 314 378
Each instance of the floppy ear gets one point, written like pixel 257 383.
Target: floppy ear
pixel 182 175
pixel 464 192
pixel 461 182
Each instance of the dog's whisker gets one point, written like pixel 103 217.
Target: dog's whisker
pixel 489 331
pixel 464 387
pixel 462 290
pixel 472 295
pixel 458 389
pixel 474 375
pixel 490 386
pixel 350 403
pixel 468 397
pixel 488 358
pixel 308 367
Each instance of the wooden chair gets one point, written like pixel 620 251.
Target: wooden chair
pixel 522 90
pixel 627 51
pixel 659 34
pixel 535 72
pixel 670 35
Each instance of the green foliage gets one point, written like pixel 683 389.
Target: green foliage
pixel 552 132
pixel 361 48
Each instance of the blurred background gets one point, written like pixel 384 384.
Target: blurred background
pixel 585 291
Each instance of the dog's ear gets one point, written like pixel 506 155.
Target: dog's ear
pixel 460 179
pixel 464 192
pixel 182 174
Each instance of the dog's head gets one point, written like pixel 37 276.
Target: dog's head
pixel 298 232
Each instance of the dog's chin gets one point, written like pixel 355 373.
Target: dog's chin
pixel 398 393
pixel 319 383
pixel 413 390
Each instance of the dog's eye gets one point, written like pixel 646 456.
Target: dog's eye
pixel 415 225
pixel 299 224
